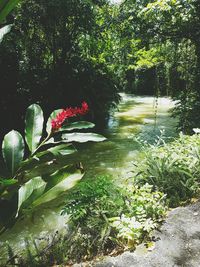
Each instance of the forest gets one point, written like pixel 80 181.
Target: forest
pixel 100 115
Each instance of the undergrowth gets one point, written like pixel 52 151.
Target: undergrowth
pixel 172 168
pixel 108 216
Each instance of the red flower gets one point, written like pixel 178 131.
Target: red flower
pixel 85 106
pixel 57 123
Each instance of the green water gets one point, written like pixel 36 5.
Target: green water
pixel 136 117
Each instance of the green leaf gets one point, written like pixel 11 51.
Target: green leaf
pixel 29 192
pixel 13 150
pixel 6 7
pixel 33 126
pixel 59 150
pixel 51 117
pixel 52 140
pixel 58 183
pixel 4 31
pixel 7 182
pixel 62 150
pixel 83 137
pixel 2 4
pixel 77 125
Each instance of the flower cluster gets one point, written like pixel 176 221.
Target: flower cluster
pixel 57 123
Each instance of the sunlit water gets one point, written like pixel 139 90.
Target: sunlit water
pixel 141 118
pixel 136 117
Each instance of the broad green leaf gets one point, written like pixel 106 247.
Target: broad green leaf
pixel 83 137
pixel 29 192
pixel 59 150
pixel 77 125
pixel 58 183
pixel 6 182
pixel 2 4
pixel 33 126
pixel 36 157
pixel 52 140
pixel 62 150
pixel 6 7
pixel 46 157
pixel 51 117
pixel 13 150
pixel 4 31
pixel 196 130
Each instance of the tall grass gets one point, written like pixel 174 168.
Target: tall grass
pixel 173 168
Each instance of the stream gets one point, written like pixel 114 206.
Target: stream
pixel 136 117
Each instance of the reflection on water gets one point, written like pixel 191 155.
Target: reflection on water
pixel 141 117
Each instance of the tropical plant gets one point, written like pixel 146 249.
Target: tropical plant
pixel 104 216
pixel 29 189
pixel 6 6
pixel 89 206
pixel 144 210
pixel 173 168
pixel 64 52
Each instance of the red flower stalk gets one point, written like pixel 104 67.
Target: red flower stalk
pixel 57 123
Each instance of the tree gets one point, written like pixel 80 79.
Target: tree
pixel 50 54
pixel 163 24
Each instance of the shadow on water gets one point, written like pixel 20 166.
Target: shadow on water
pixel 135 118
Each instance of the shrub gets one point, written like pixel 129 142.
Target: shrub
pixel 172 168
pixel 105 217
pixel 25 186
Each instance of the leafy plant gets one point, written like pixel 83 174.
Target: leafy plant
pixel 26 188
pixel 3 31
pixel 106 217
pixel 129 230
pixel 6 6
pixel 173 168
pixel 89 206
pixel 143 211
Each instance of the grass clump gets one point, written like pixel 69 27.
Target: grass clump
pixel 172 168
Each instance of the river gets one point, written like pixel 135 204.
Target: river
pixel 136 118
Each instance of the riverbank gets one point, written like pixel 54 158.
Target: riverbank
pixel 107 218
pixel 134 119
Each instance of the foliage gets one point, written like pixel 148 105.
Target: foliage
pixel 6 29
pixel 56 58
pixel 6 7
pixel 162 35
pixel 105 216
pixel 25 192
pixel 172 168
pixel 95 49
pixel 187 111
pixel 145 208
pixel 90 206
